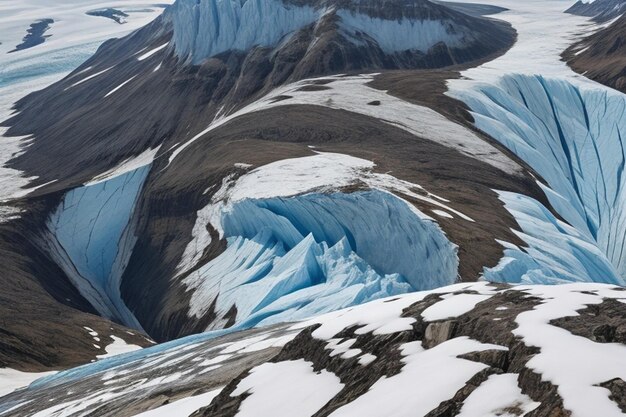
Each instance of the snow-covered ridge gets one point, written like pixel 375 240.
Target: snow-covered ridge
pixel 206 28
pixel 434 365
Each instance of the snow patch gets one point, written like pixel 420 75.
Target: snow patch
pixel 286 389
pixel 499 395
pixel 120 86
pixel 12 379
pixel 118 347
pixel 574 364
pixel 437 374
pixel 183 408
pixel 454 306
pixel 152 52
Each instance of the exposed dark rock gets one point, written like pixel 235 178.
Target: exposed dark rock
pixel 110 13
pixel 82 129
pixel 35 35
pixel 600 10
pixel 477 324
pixel 602 56
pixel 617 387
pixel 602 323
pixel 438 332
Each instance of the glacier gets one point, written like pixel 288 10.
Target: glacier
pixel 203 29
pixel 556 253
pixel 291 258
pixel 91 238
pixel 404 34
pixel 571 135
pixel 206 28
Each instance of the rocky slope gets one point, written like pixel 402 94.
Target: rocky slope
pixel 599 10
pixel 601 56
pixel 297 212
pixel 466 350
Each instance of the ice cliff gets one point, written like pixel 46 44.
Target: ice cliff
pixel 572 137
pixel 91 238
pixel 291 258
pixel 206 28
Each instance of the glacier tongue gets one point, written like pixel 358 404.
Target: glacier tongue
pixel 557 253
pixel 290 258
pixel 91 238
pixel 572 136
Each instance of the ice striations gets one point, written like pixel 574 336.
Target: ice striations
pixel 403 34
pixel 302 247
pixel 572 136
pixel 209 27
pixel 91 239
pixel 206 28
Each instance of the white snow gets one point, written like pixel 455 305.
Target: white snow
pixel 184 407
pixel 431 376
pixel 575 364
pixel 383 316
pixel 443 213
pixel 143 159
pixel 89 77
pixel 12 379
pixel 13 184
pixel 366 358
pixel 119 86
pixel 118 347
pixel 454 306
pixel 543 33
pixel 286 389
pixel 152 52
pixel 352 94
pixel 499 396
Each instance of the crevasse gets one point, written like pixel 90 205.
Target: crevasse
pixel 91 238
pixel 291 258
pixel 572 136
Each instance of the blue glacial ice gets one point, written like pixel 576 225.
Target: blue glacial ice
pixel 291 258
pixel 205 28
pixel 403 34
pixel 91 238
pixel 572 137
pixel 556 252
